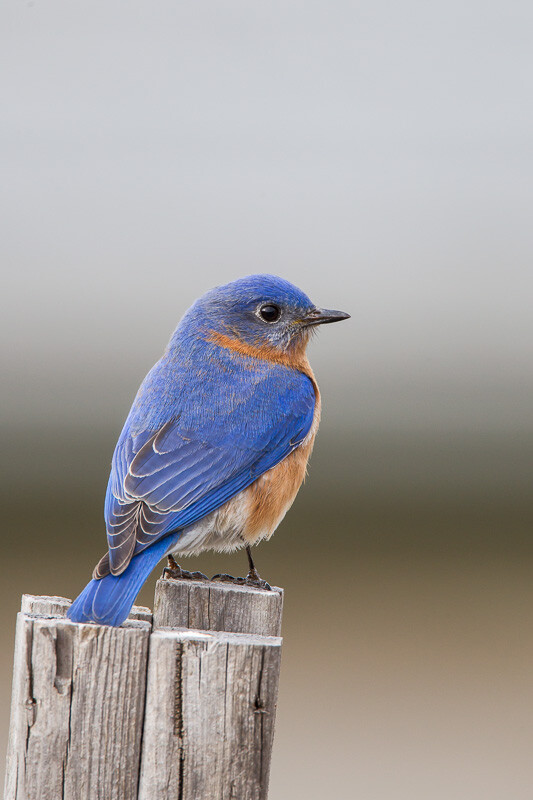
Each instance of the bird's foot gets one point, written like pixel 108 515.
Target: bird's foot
pixel 252 579
pixel 174 571
pixel 223 577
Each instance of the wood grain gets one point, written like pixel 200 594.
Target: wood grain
pixel 45 606
pixel 77 709
pixel 211 606
pixel 210 712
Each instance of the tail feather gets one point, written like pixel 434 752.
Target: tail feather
pixel 108 600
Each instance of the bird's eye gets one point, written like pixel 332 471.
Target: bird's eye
pixel 270 313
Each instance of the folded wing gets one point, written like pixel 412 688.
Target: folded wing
pixel 165 479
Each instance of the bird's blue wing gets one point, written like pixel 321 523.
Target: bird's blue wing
pixel 215 444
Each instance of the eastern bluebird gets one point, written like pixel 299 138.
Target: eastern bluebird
pixel 216 444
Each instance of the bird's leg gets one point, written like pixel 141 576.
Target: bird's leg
pixel 173 570
pixel 252 579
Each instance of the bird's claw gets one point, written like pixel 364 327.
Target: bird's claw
pixel 179 574
pixel 223 577
pixel 175 572
pixel 252 579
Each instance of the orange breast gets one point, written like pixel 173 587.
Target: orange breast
pixel 271 496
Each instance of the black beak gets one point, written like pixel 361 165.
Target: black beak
pixel 323 316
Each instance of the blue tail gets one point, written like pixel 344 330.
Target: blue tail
pixel 108 601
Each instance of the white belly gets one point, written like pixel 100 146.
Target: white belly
pixel 220 530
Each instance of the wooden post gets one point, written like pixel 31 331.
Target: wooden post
pixel 79 714
pixel 77 706
pixel 211 606
pixel 212 690
pixel 58 607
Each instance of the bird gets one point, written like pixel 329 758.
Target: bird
pixel 216 444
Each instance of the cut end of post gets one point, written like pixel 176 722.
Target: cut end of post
pixel 212 606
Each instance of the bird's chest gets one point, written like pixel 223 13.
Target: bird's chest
pixel 271 496
pixel 255 512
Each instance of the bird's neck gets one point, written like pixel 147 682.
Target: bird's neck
pixel 294 357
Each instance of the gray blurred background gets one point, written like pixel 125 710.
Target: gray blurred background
pixel 378 155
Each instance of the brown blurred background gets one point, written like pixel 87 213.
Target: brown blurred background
pixel 380 157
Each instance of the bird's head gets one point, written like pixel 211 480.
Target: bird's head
pixel 261 311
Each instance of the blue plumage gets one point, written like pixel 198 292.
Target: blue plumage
pixel 228 401
pixel 108 600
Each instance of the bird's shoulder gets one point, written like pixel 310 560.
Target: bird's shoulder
pixel 213 383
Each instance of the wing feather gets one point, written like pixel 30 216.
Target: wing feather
pixel 164 479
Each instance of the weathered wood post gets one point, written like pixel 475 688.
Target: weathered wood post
pixel 199 692
pixel 77 706
pixel 210 606
pixel 211 691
